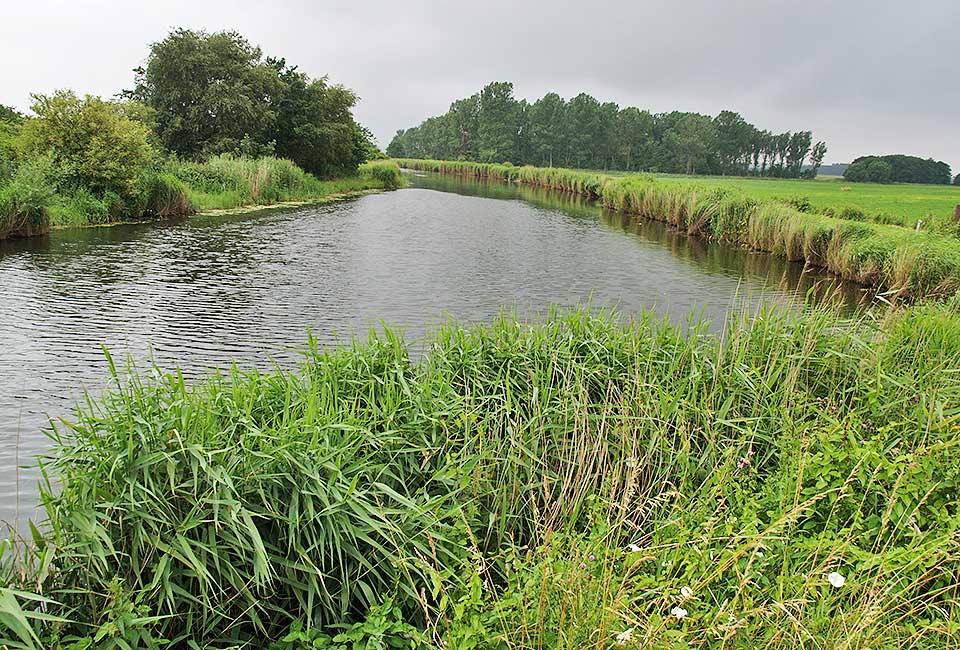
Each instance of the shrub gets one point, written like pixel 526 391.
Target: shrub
pixel 386 173
pixel 26 198
pixel 96 145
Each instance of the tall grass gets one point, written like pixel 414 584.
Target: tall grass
pixel 228 182
pixel 522 486
pixel 903 262
pixel 35 198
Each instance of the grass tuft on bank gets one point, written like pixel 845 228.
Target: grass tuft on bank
pixel 899 260
pixel 577 482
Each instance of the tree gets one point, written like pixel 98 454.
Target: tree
pixel 691 141
pixel 546 128
pixel 10 121
pixel 733 142
pixel 92 141
pixel 497 121
pixel 584 132
pixel 956 179
pixel 869 170
pixel 216 93
pixel 313 124
pixel 816 158
pixel 903 169
pixel 210 92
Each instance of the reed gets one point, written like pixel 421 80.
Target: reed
pixel 897 260
pixel 522 485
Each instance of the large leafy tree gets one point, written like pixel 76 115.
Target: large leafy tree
pixel 497 122
pixel 217 93
pixel 211 92
pixel 314 125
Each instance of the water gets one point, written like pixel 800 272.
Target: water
pixel 210 290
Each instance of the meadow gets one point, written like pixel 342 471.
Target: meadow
pixel 581 481
pixel 903 262
pixel 901 204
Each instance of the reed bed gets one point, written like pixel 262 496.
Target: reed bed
pixel 899 261
pixel 580 481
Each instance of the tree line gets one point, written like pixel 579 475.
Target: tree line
pixel 898 169
pixel 493 126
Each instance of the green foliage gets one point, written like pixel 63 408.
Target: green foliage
pixel 869 170
pixel 525 486
pixel 492 126
pixel 956 179
pixel 92 141
pixel 215 93
pixel 898 169
pixel 26 198
pixel 904 262
pixel 385 172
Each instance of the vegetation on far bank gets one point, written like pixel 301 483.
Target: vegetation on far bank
pixel 904 262
pixel 898 169
pixel 210 123
pixel 493 126
pixel 574 483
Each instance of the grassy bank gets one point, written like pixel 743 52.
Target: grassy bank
pixel 574 483
pixel 897 259
pixel 898 204
pixel 34 200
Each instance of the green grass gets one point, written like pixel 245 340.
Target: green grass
pixel 543 485
pixel 901 261
pixel 901 204
pixel 31 202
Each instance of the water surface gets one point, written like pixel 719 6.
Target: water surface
pixel 211 290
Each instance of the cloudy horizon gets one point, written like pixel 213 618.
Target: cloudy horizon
pixel 866 77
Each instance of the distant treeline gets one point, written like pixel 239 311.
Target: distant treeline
pixel 493 126
pixel 898 169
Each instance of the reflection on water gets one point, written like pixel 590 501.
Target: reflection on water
pixel 210 290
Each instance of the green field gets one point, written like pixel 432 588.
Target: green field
pixel 911 202
pixel 899 203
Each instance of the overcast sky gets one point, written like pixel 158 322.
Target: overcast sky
pixel 867 76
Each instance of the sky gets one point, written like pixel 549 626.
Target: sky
pixel 866 76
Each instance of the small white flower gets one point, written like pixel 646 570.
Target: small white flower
pixel 686 592
pixel 679 612
pixel 633 548
pixel 731 619
pixel 624 636
pixel 836 579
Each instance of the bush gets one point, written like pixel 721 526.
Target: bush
pixel 26 198
pixel 95 144
pixel 79 208
pixel 385 172
pixel 168 196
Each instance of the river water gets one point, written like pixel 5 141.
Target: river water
pixel 211 290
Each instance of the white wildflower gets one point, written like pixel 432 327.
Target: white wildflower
pixel 633 548
pixel 623 637
pixel 686 592
pixel 836 579
pixel 679 612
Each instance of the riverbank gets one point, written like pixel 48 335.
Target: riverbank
pixel 572 483
pixel 221 184
pixel 897 260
